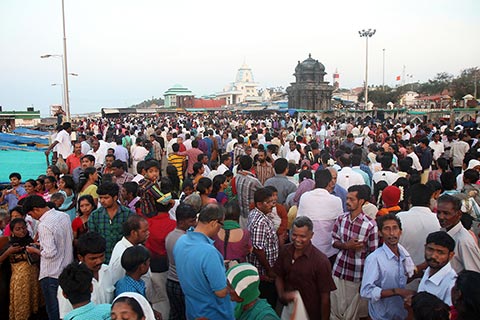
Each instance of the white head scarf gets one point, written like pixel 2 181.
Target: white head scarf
pixel 144 304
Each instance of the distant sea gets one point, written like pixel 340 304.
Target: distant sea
pixel 30 164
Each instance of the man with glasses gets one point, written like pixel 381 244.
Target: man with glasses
pixel 200 268
pixel 265 243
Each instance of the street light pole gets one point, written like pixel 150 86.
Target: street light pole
pixel 367 34
pixel 383 74
pixel 63 91
pixel 65 66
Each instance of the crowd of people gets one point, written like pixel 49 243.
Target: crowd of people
pixel 227 216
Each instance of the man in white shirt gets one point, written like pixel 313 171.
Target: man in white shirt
pixel 437 146
pixel 56 252
pixel 347 177
pixel 97 153
pixel 135 231
pixel 91 248
pixel 439 278
pixel 385 174
pixel 416 162
pixel 417 222
pixel 62 142
pixel 467 253
pixel 323 216
pixel 292 155
pixel 226 162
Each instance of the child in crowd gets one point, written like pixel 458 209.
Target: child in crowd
pixel 136 262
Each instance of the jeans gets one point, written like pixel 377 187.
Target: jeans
pixel 49 288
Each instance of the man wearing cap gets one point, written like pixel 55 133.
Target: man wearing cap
pixel 390 197
pixel 244 280
pixel 301 266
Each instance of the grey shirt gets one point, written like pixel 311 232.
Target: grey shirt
pixel 169 244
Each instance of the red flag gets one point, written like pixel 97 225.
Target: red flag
pixel 398 78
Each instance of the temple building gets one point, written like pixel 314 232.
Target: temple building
pixel 244 89
pixel 310 91
pixel 178 97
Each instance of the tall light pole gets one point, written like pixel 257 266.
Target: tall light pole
pixel 65 65
pixel 63 95
pixel 383 73
pixel 367 34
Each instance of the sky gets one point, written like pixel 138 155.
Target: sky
pixel 125 52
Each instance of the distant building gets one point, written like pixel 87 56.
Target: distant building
pixel 13 119
pixel 178 97
pixel 409 98
pixel 310 91
pixel 244 89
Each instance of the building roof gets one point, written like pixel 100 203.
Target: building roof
pixel 178 90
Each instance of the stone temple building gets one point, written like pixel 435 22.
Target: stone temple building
pixel 310 91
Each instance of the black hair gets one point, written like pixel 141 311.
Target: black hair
pixel 19 209
pixel 292 169
pixel 420 195
pixel 322 178
pixel 185 211
pixel 441 238
pixel 151 164
pixel 15 221
pixel 133 257
pixel 427 306
pixel 246 162
pixel 132 224
pixel 442 163
pixel 15 175
pixel 225 157
pixel 280 165
pixel 76 281
pixel 196 168
pixel 305 174
pixel 89 157
pixel 33 201
pixel 434 185
pixel 91 242
pixel 390 216
pixel 471 176
pixel 303 221
pixel 175 147
pixel 262 194
pixel 362 193
pixel 172 174
pixel 68 180
pixel 136 308
pixel 140 166
pixel 108 188
pixel 271 188
pixel 448 180
pixel 468 306
pixel 131 187
pixel 87 197
pixel 217 183
pixel 203 185
pixel 232 210
pixel 32 182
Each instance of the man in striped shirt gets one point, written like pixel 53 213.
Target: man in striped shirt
pixel 176 160
pixel 356 236
pixel 56 240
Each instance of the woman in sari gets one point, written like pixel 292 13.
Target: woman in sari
pixel 25 294
pixel 67 186
pixel 89 187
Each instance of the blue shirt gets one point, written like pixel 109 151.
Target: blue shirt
pixel 340 192
pixel 384 270
pixel 128 284
pixel 201 272
pixel 12 200
pixel 90 311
